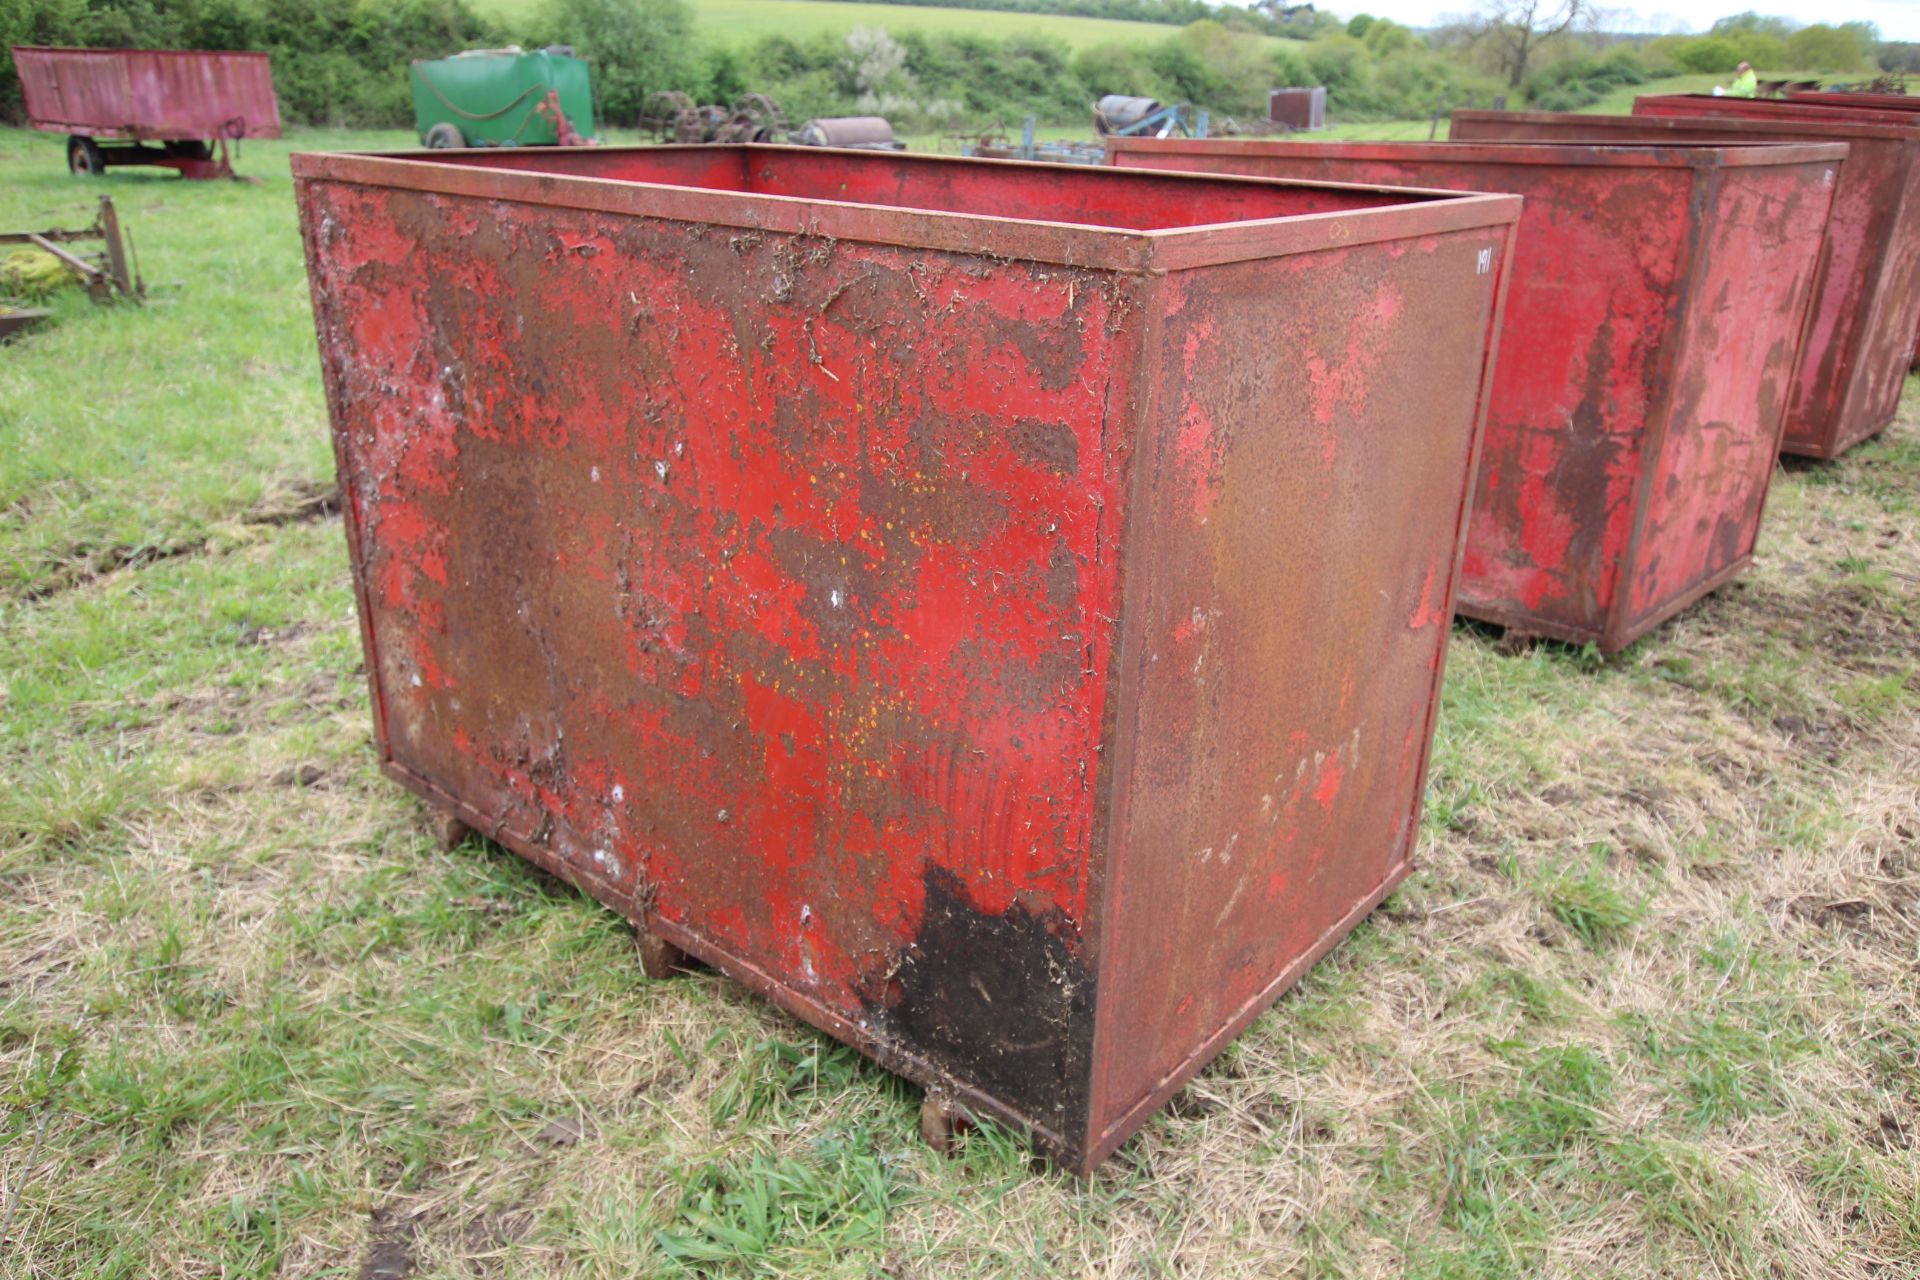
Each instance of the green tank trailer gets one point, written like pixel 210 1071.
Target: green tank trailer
pixel 504 98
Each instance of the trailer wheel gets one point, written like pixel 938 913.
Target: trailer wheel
pixel 84 158
pixel 445 134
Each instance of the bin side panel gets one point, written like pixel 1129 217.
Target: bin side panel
pixel 1290 584
pixel 1592 307
pixel 1740 339
pixel 1899 309
pixel 1824 415
pixel 162 95
pixel 761 584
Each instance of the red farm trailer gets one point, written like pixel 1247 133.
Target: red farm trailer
pixel 170 107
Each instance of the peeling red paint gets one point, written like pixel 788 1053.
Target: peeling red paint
pixel 1331 774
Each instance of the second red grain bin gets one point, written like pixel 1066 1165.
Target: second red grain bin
pixel 1651 332
pixel 1853 362
pixel 1868 102
pixel 913 585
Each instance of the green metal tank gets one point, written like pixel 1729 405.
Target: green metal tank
pixel 495 98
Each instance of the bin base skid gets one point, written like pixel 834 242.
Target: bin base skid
pixel 449 832
pixel 1817 453
pixel 953 1098
pixel 942 1123
pixel 659 958
pixel 1523 628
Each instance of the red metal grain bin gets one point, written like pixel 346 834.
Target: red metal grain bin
pixel 1853 361
pixel 1868 102
pixel 1651 332
pixel 1901 246
pixel 911 584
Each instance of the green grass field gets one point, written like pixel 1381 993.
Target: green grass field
pixel 1649 1009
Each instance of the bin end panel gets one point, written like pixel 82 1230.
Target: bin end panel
pixel 763 585
pixel 1707 481
pixel 1298 544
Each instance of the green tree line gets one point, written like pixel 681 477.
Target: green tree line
pixel 343 62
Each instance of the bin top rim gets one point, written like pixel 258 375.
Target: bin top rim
pixel 1567 154
pixel 1861 98
pixel 157 53
pixel 1795 109
pixel 1074 244
pixel 1733 126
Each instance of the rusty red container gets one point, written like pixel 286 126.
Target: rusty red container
pixel 1902 246
pixel 149 95
pixel 996 611
pixel 1651 332
pixel 1867 102
pixel 1854 359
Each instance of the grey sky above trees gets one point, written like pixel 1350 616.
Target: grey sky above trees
pixel 1897 19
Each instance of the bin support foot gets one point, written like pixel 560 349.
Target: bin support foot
pixel 658 957
pixel 450 832
pixel 1514 643
pixel 941 1124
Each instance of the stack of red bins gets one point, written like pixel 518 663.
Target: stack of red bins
pixel 995 611
pixel 1651 335
pixel 1866 309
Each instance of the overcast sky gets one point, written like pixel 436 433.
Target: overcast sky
pixel 1897 19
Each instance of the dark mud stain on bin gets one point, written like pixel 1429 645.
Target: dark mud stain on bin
pixel 1000 1000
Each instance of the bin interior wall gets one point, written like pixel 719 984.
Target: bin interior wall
pixel 1846 385
pixel 692 566
pixel 1290 639
pixel 1043 193
pixel 1707 105
pixel 1885 264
